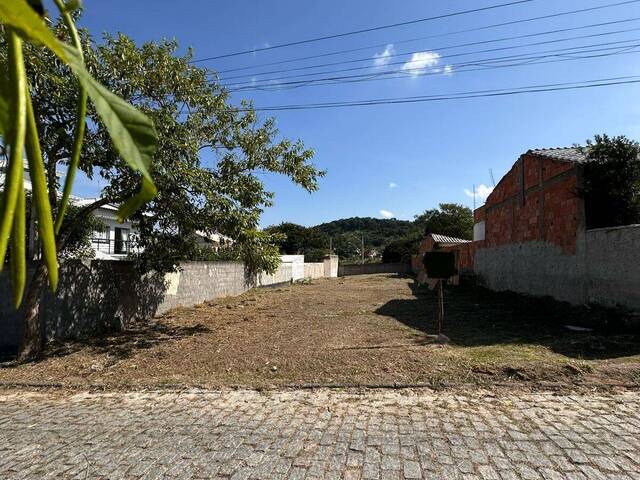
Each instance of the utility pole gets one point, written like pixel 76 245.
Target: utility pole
pixel 330 245
pixel 362 248
pixel 474 197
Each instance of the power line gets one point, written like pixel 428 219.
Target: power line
pixel 454 96
pixel 448 47
pixel 440 35
pixel 482 67
pixel 240 85
pixel 405 71
pixel 367 30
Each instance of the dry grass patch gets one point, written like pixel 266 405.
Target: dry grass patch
pixel 366 330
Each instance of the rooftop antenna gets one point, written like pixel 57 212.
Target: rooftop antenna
pixel 492 178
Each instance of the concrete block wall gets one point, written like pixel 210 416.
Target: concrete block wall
pixel 92 298
pixel 198 282
pixel 536 268
pixel 314 270
pixel 371 268
pixel 297 265
pixel 331 263
pixel 612 264
pixel 604 268
pixel 283 275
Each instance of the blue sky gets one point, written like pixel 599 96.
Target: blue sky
pixel 400 159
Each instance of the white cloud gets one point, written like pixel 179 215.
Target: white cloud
pixel 481 193
pixel 393 185
pixel 420 62
pixel 448 70
pixel 386 214
pixel 381 59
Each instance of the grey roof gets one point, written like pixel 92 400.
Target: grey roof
pixel 568 154
pixel 445 240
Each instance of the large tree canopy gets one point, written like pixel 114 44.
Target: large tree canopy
pixel 299 240
pixel 206 167
pixel 450 219
pixel 611 188
pixel 209 158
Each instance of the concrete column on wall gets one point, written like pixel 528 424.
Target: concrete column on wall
pixel 331 266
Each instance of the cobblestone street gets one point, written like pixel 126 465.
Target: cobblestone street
pixel 295 435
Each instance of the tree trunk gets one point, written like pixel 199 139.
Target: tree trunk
pixel 32 341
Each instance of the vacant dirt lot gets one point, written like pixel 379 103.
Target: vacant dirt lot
pixel 367 330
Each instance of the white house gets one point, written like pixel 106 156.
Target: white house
pixel 115 242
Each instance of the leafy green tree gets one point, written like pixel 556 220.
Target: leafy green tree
pixel 208 159
pixel 209 156
pixel 299 240
pixel 449 219
pixel 401 250
pixel 611 188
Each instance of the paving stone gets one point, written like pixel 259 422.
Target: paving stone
pixel 319 435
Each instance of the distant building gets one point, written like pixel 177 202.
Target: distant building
pixel 461 248
pixel 115 242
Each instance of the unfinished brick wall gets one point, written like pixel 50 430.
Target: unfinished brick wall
pixel 535 201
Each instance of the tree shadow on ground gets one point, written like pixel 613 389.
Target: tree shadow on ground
pixel 125 344
pixel 475 316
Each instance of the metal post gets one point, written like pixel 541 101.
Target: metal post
pixel 440 307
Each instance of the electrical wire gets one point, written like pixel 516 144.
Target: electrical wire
pixel 445 34
pixel 554 87
pixel 439 49
pixel 366 30
pixel 408 71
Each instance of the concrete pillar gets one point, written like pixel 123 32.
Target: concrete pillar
pixel 331 266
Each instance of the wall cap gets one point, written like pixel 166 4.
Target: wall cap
pixel 620 227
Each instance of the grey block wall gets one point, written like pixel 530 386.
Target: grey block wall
pixel 612 263
pixel 198 282
pixel 605 268
pixel 104 296
pixel 371 268
pixel 536 268
pixel 92 298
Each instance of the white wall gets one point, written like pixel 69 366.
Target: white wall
pixel 297 265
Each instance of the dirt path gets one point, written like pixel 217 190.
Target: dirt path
pixel 366 330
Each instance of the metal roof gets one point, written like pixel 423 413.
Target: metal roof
pixel 445 240
pixel 568 154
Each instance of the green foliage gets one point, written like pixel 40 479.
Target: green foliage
pixel 451 219
pixel 209 158
pixel 131 131
pixel 347 235
pixel 611 187
pixel 299 240
pixel 78 243
pixel 401 250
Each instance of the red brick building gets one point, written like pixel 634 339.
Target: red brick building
pixel 463 250
pixel 535 201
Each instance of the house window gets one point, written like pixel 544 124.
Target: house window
pixel 102 234
pixel 121 244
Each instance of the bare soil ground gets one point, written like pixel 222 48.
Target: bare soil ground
pixel 355 331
